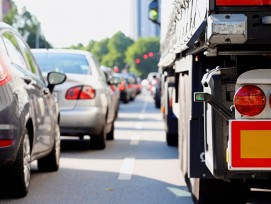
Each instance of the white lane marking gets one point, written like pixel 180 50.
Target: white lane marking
pixel 143 110
pixel 139 125
pixel 135 140
pixel 127 169
pixel 144 107
pixel 141 116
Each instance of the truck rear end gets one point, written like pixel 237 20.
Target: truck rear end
pixel 220 53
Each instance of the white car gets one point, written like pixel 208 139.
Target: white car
pixel 85 98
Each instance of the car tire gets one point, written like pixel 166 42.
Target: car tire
pixel 110 135
pixel 97 142
pixel 50 162
pixel 16 179
pixel 127 99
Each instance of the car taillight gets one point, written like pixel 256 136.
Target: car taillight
pixel 170 102
pixel 113 88
pixel 6 143
pixel 80 92
pixel 122 86
pixel 249 100
pixel 4 76
pixel 242 2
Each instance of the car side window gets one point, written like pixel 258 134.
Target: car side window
pixel 99 70
pixel 33 67
pixel 13 50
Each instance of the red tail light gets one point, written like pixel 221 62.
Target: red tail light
pixel 80 92
pixel 6 143
pixel 113 88
pixel 249 100
pixel 170 102
pixel 122 86
pixel 243 2
pixel 4 76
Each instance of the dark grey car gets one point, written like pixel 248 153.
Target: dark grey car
pixel 29 115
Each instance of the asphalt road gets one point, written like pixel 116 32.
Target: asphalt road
pixel 136 168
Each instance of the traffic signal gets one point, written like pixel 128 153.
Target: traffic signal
pixel 150 54
pixel 153 11
pixel 137 61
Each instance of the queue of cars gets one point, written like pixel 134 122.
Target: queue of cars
pixel 129 86
pixel 79 97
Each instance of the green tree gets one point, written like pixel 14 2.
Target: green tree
pixel 79 46
pixel 143 56
pixel 90 45
pixel 10 17
pixel 100 49
pixel 117 46
pixel 27 25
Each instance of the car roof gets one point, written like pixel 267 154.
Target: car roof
pixel 65 51
pixel 5 25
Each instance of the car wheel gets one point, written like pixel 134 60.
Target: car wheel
pixel 17 179
pixel 98 141
pixel 110 135
pixel 50 162
pixel 127 99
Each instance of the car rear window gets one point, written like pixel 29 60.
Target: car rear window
pixel 65 63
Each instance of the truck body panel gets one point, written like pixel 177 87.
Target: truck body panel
pixel 220 50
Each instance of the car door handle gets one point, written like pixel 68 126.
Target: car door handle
pixel 46 91
pixel 27 79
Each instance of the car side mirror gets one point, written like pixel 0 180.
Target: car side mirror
pixel 55 78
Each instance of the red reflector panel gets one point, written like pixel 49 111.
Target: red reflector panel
pixel 242 2
pixel 250 145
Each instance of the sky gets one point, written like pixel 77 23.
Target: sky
pixel 69 22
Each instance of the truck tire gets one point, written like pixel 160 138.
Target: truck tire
pixel 213 191
pixel 172 139
pixel 170 119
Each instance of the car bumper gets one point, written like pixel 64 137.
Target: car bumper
pixel 82 121
pixel 8 153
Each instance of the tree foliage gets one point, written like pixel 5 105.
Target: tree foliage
pixel 147 47
pixel 100 49
pixel 117 46
pixel 27 25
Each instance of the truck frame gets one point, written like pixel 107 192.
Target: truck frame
pixel 219 52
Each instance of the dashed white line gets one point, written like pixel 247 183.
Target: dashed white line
pixel 139 125
pixel 127 169
pixel 135 140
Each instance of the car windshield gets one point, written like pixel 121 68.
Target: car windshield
pixel 65 63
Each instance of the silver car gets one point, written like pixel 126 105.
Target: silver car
pixel 84 98
pixel 113 84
